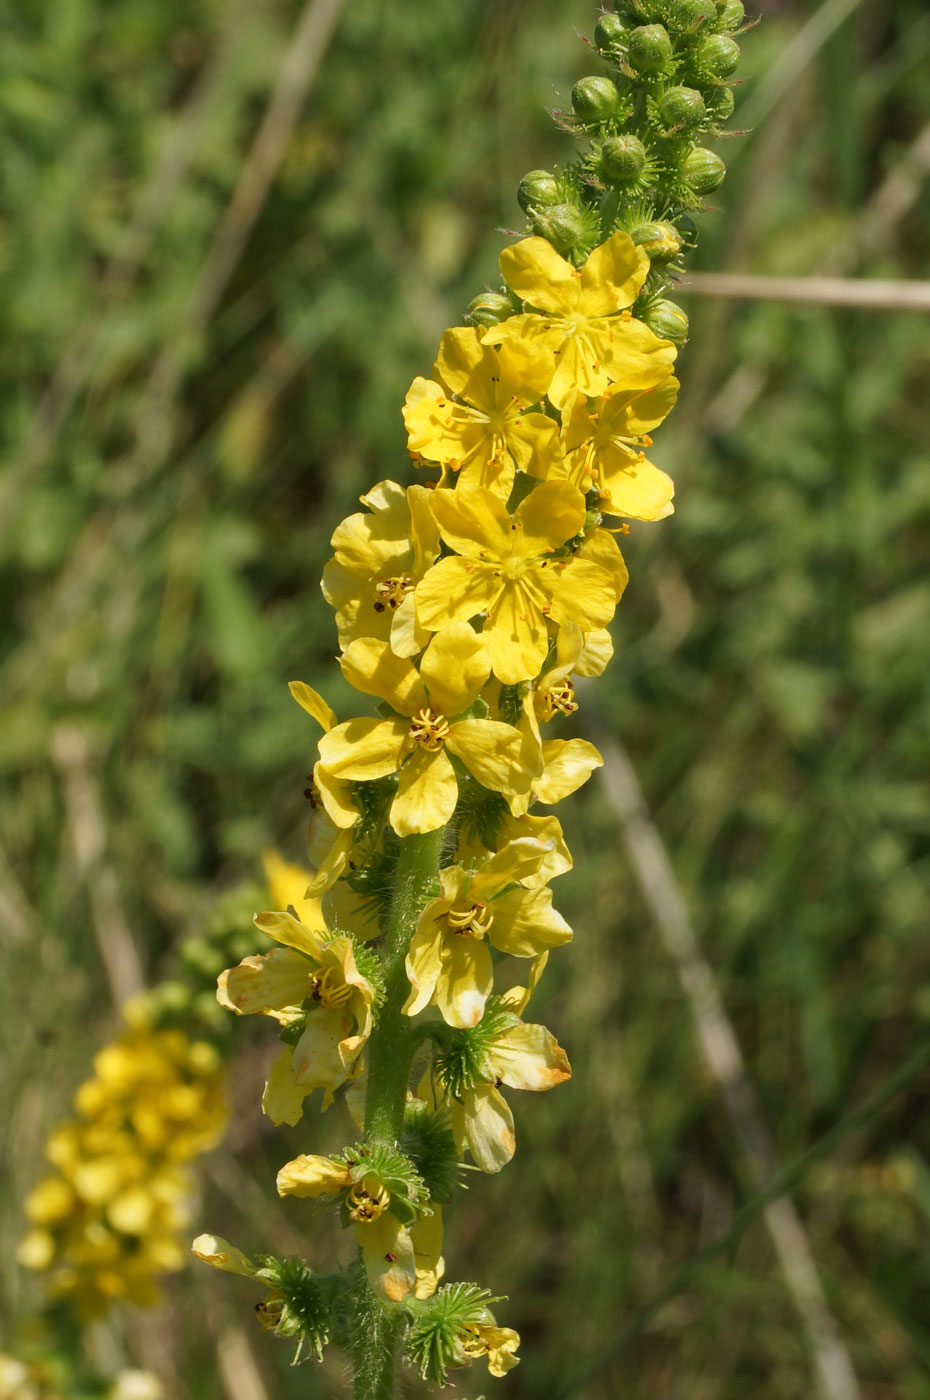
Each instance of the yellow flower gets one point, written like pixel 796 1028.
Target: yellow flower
pixel 449 962
pixel 604 449
pixel 287 885
pixel 485 432
pixel 388 1247
pixel 379 558
pixel 308 968
pixel 498 1344
pixel 503 567
pixel 429 719
pixel 585 323
pixel 335 810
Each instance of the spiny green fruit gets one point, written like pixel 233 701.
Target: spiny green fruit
pixel 610 33
pixel 667 320
pixel 692 16
pixel 650 48
pixel 660 241
pixel 563 225
pixel 594 99
pixel 488 309
pixel 703 170
pixel 730 14
pixel 622 160
pixel 537 189
pixel 717 54
pixel 681 106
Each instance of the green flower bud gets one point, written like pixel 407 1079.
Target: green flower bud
pixel 703 170
pixel 668 322
pixel 717 54
pixel 730 14
pixel 720 103
pixel 610 33
pixel 594 99
pixel 662 242
pixel 650 48
pixel 537 188
pixel 488 309
pixel 692 16
pixel 681 106
pixel 622 160
pixel 642 11
pixel 563 225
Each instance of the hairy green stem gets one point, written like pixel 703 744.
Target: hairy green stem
pixel 390 1057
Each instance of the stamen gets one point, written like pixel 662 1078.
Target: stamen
pixel 367 1200
pixel 471 922
pixel 329 989
pixel 429 729
pixel 391 592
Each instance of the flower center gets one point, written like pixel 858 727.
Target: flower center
pixel 514 566
pixel 429 729
pixel 328 988
pixel 367 1199
pixel 471 921
pixel 558 700
pixel 391 592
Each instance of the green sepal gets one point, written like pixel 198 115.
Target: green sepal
pixel 465 1062
pixel 430 1145
pixel 434 1342
pixel 301 1300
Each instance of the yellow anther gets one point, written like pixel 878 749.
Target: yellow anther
pixel 429 729
pixel 471 922
pixel 329 988
pixel 367 1199
pixel 391 592
pixel 558 700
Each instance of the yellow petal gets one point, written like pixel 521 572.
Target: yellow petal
pixel 427 792
pixel 283 1099
pixel 552 513
pixel 529 1057
pixel 460 356
pixel 364 748
pixel 426 1234
pixel 312 1176
pixel 612 276
pixel 488 1127
pixel 326 1051
pixel 645 410
pixel 337 798
pixel 569 764
pixel 424 964
pixel 516 632
pixel 454 590
pixel 492 752
pixel 472 520
pixel 582 592
pixel 388 1252
pixel 454 668
pixel 601 548
pixel 265 984
pixel 313 703
pixel 517 861
pixel 465 982
pixel 634 487
pixel 595 654
pixel 371 667
pixel 290 932
pixel 526 924
pixel 214 1250
pixel 540 276
pixel 287 884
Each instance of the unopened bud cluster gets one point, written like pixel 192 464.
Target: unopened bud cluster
pixel 646 163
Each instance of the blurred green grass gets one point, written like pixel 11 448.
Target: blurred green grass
pixel 163 534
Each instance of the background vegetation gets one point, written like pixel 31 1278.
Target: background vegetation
pixel 184 421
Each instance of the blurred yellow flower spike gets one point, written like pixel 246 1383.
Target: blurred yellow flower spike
pixel 586 323
pixel 475 420
pixel 430 718
pixel 449 962
pixel 311 968
pixel 287 885
pixel 379 557
pixel 604 450
pixel 504 568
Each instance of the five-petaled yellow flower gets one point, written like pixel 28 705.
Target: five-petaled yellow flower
pixel 586 322
pixel 604 450
pixel 449 962
pixel 504 567
pixel 485 432
pixel 430 723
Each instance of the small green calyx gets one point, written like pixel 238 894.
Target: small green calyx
pixel 488 309
pixel 298 1305
pixel 381 1177
pixel 465 1063
pixel 650 49
pixel 681 107
pixel 622 160
pixel 703 170
pixel 436 1339
pixel 430 1145
pixel 572 231
pixel 538 190
pixel 667 320
pixel 611 33
pixel 594 99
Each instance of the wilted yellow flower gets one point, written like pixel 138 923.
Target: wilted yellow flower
pixel 586 323
pixel 485 432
